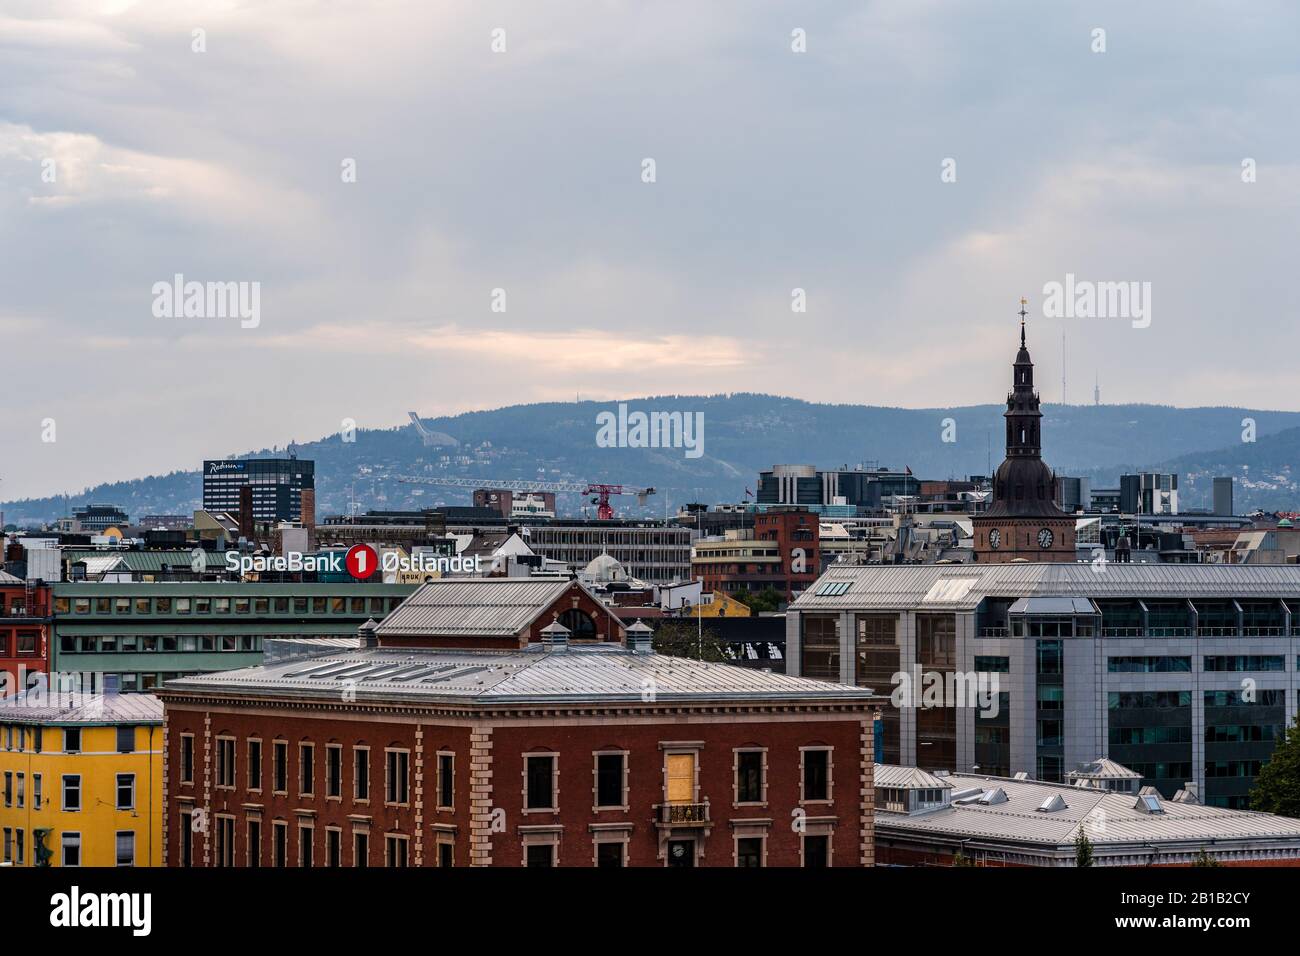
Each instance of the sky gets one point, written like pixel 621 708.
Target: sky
pixel 914 167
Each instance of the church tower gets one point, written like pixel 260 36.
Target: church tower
pixel 1023 521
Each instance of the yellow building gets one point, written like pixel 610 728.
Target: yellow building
pixel 722 605
pixel 82 780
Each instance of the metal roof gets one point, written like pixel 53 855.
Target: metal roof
pixel 1108 818
pixel 599 673
pixel 908 778
pixel 75 708
pixel 1104 769
pixel 475 607
pixel 905 587
pixel 147 560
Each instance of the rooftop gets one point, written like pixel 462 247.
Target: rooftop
pixel 599 673
pixel 963 588
pixel 77 708
pixel 1110 819
pixel 474 607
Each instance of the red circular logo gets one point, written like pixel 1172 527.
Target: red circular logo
pixel 362 561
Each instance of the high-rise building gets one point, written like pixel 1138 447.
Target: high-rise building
pixel 1223 495
pixel 1149 493
pixel 277 484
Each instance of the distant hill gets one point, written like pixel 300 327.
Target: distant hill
pixel 743 433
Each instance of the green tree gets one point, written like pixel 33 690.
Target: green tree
pixel 1082 849
pixel 683 638
pixel 1277 788
pixel 961 859
pixel 768 599
pixel 1204 859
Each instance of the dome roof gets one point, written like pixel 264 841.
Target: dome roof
pixel 604 568
pixel 1024 487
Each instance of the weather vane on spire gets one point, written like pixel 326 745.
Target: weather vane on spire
pixel 1023 302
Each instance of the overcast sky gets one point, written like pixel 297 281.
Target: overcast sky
pixel 522 170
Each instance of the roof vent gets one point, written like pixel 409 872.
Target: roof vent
pixel 1021 775
pixel 639 637
pixel 1185 796
pixel 1052 804
pixel 555 637
pixel 992 797
pixel 367 633
pixel 1148 792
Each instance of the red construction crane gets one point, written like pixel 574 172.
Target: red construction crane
pixel 601 490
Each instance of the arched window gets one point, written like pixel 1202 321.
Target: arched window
pixel 581 626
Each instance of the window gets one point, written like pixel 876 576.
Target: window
pixel 821 646
pixel 446 854
pixel 816 850
pixel 749 776
pixel 306 844
pixel 36 791
pixel 396 777
pixel 306 769
pixel 446 781
pixel 187 837
pixel 541 854
pixel 226 763
pixel 255 765
pixel 225 841
pixel 126 791
pixel 609 780
pixel 280 843
pixel 71 792
pixel 816 774
pixel 749 851
pixel 333 847
pixel 360 848
pixel 126 740
pixel 611 853
pixel 71 847
pixel 9 788
pixel 255 843
pixel 539 775
pixel 187 758
pixel 395 847
pixel 20 841
pixel 280 766
pixel 72 740
pixel 334 771
pixel 361 774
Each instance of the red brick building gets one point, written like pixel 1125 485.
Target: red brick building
pixel 24 629
pixel 502 741
pixel 782 552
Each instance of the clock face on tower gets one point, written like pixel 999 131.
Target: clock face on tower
pixel 1045 538
pixel 995 538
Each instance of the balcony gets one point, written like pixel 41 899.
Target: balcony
pixel 683 814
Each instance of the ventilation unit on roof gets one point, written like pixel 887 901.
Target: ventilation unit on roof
pixel 1021 775
pixel 992 797
pixel 1185 796
pixel 1052 804
pixel 1149 792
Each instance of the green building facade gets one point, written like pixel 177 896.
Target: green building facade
pixel 149 632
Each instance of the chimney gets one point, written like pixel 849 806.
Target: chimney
pixel 308 508
pixel 367 633
pixel 555 637
pixel 246 530
pixel 638 638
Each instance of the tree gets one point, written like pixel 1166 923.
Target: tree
pixel 1277 788
pixel 1204 859
pixel 961 859
pixel 1082 849
pixel 768 599
pixel 681 638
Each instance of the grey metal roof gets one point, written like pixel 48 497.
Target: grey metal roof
pixel 904 587
pixel 1053 605
pixel 1109 818
pixel 1104 769
pixel 75 708
pixel 908 778
pixel 597 673
pixel 474 607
